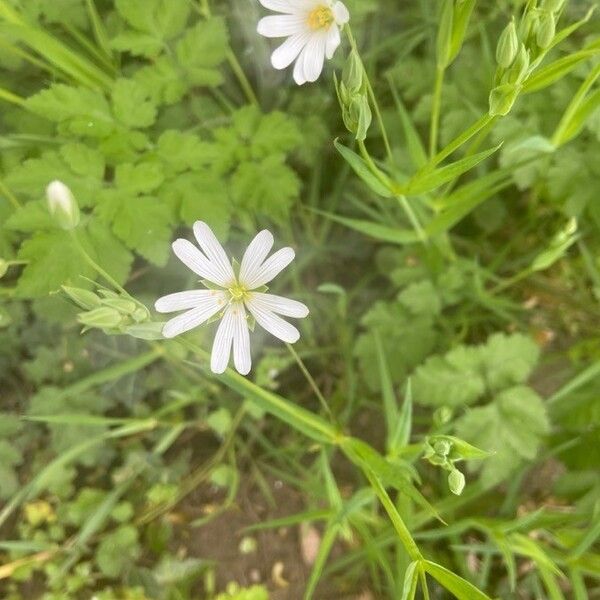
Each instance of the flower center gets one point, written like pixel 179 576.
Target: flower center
pixel 238 292
pixel 320 18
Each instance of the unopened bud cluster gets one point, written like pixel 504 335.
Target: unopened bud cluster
pixel 113 313
pixel 353 96
pixel 520 50
pixel 440 451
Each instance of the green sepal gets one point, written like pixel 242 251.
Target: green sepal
pixel 251 323
pixel 211 286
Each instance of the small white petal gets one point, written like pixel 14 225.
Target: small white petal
pixel 277 26
pixel 280 305
pixel 192 318
pixel 255 255
pixel 285 54
pixel 299 76
pixel 271 322
pixel 340 13
pixel 270 268
pixel 241 340
pixel 214 252
pixel 313 56
pixel 194 260
pixel 189 299
pixel 333 41
pixel 222 343
pixel 282 6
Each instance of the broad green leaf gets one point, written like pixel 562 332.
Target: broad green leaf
pixel 202 49
pixel 508 359
pixel 143 223
pixel 455 379
pixel 511 427
pixel 132 105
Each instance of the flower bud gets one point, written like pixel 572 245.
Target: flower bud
pixel 545 30
pixel 62 205
pixel 83 298
pixel 352 75
pixel 552 5
pixel 102 318
pixel 518 71
pixel 508 46
pixel 502 99
pixel 456 482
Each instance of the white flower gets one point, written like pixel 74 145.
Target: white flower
pixel 312 29
pixel 234 296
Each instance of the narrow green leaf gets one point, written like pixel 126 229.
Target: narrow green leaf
pixel 557 70
pixel 362 170
pixel 401 435
pixel 411 578
pixel 428 180
pixel 460 22
pixel 390 409
pixel 455 584
pixel 383 233
pixel 415 146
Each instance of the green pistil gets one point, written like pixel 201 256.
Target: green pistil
pixel 238 292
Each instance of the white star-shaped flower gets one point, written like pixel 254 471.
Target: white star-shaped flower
pixel 312 29
pixel 234 295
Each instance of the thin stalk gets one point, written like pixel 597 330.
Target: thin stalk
pixel 372 97
pixel 11 197
pixel 403 533
pixel 10 97
pixel 465 136
pixel 95 265
pixel 241 77
pixel 412 217
pixel 435 110
pixel 311 382
pixel 233 61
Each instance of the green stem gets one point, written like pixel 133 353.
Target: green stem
pixel 373 98
pixel 233 61
pixel 299 418
pixel 412 217
pixel 465 136
pixel 95 265
pixel 311 382
pixel 11 197
pixel 435 110
pixel 241 77
pixel 403 533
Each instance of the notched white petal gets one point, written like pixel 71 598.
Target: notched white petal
pixel 183 300
pixel 214 252
pixel 255 254
pixel 194 317
pixel 272 323
pixel 241 340
pixel 340 13
pixel 194 260
pixel 276 26
pixel 221 348
pixel 271 268
pixel 280 305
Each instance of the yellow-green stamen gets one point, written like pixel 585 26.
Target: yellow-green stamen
pixel 320 18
